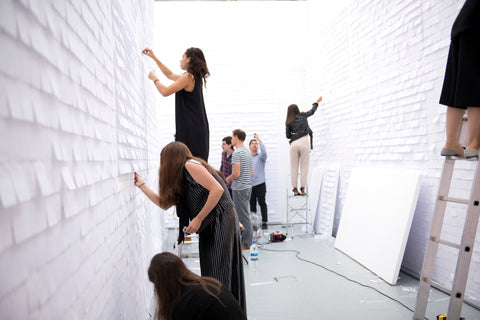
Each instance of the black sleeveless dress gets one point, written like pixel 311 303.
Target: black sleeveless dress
pixel 462 74
pixel 219 236
pixel 191 123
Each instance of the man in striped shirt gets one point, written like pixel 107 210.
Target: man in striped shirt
pixel 241 179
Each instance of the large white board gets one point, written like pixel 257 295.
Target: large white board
pixel 376 218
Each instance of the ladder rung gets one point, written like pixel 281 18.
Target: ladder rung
pixel 441 287
pixel 437 285
pixel 451 199
pixel 447 243
pixel 456 158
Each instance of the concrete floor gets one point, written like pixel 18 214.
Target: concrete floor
pixel 307 278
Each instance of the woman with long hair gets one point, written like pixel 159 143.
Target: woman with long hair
pixel 203 206
pixel 191 123
pixel 297 130
pixel 183 294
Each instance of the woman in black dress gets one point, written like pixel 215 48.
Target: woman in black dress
pixel 191 123
pixel 183 295
pixel 203 206
pixel 461 86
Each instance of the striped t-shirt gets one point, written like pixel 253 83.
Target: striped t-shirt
pixel 244 181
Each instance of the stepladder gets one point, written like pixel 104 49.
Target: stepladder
pixel 298 213
pixel 464 248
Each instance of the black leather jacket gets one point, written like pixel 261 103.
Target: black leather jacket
pixel 300 127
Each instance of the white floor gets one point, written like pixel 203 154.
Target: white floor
pixel 307 278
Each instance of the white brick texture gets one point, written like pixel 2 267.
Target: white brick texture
pixel 380 67
pixel 76 121
pixel 78 116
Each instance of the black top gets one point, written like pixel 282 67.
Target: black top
pixel 462 80
pixel 468 19
pixel 196 304
pixel 191 123
pixel 299 128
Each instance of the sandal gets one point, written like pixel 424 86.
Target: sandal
pixel 295 192
pixel 303 193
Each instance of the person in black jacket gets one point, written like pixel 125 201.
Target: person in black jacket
pixel 184 295
pixel 297 130
pixel 461 86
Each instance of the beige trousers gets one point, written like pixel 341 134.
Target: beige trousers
pixel 299 155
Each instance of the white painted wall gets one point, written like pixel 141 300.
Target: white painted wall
pixel 380 67
pixel 77 116
pixel 76 119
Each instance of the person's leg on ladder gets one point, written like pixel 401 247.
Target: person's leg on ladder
pixel 304 164
pixel 294 159
pixel 453 121
pixel 473 128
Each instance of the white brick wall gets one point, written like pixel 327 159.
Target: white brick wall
pixel 380 67
pixel 77 118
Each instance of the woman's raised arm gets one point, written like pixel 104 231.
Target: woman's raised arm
pixel 167 72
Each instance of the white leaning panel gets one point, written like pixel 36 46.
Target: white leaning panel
pixel 376 218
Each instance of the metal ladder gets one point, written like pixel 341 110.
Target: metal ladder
pixel 298 207
pixel 465 247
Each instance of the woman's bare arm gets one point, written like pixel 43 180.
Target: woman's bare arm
pixel 167 72
pixel 186 81
pixel 140 183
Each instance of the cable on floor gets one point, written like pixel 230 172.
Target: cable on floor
pixel 261 247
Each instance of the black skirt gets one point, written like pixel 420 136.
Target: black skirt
pixel 461 85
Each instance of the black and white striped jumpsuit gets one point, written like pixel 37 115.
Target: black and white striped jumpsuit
pixel 219 236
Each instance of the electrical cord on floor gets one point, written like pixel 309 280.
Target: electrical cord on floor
pixel 261 247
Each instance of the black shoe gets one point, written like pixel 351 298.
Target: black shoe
pixel 264 226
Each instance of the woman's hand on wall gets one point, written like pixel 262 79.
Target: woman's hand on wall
pixel 138 180
pixel 148 52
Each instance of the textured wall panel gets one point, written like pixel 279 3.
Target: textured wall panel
pixel 76 121
pixel 380 65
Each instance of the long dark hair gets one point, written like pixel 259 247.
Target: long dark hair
pixel 198 64
pixel 291 112
pixel 170 179
pixel 169 274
